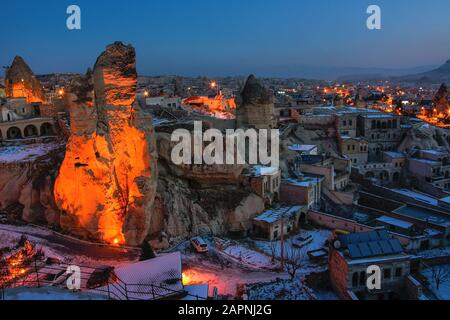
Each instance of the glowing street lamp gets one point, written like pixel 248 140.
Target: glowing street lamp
pixel 214 85
pixel 146 94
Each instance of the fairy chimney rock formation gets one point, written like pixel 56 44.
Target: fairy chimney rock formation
pixel 440 100
pixel 255 106
pixel 107 182
pixel 20 82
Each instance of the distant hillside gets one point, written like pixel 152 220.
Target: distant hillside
pixel 378 74
pixel 436 76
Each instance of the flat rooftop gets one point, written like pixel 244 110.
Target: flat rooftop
pixel 263 171
pixel 307 181
pixel 302 147
pixel 273 215
pixel 395 155
pixel 428 162
pixel 424 198
pixel 395 222
pixel 424 214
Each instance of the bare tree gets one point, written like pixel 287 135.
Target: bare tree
pixel 440 275
pixel 296 258
pixel 273 249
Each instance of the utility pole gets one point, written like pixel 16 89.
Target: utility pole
pixel 282 243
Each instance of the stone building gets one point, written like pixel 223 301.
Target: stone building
pixel 271 224
pixel 346 122
pixel 336 171
pixel 19 119
pixel 351 255
pixel 355 149
pixel 431 166
pixel 265 182
pixel 256 106
pixel 382 131
pixel 21 111
pixel 382 172
pixel 306 190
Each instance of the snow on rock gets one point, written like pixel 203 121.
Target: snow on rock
pixel 26 152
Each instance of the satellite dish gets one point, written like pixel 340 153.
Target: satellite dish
pixel 336 244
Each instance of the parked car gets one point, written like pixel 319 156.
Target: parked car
pixel 199 244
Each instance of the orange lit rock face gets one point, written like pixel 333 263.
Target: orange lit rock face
pixel 20 82
pixel 218 106
pixel 107 182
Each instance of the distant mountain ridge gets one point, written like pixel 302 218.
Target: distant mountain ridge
pixel 420 76
pixel 436 76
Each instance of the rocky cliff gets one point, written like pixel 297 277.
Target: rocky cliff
pixel 440 100
pixel 185 208
pixel 21 82
pixel 255 106
pixel 107 182
pixel 27 176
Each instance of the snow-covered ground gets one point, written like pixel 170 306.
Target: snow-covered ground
pixel 251 258
pixel 248 263
pixel 444 288
pixel 26 152
pixel 10 236
pixel 241 264
pixel 67 250
pixel 318 236
pixel 286 289
pixel 49 293
pixel 222 271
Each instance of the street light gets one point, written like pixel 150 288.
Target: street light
pixel 214 85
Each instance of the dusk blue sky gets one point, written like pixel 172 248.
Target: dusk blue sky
pixel 228 37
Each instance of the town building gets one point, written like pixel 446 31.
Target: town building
pixel 355 149
pixel 271 224
pixel 164 101
pixel 336 171
pixel 265 182
pixel 20 119
pixel 351 255
pixel 304 149
pixel 305 190
pixel 347 121
pixel 381 130
pixel 431 167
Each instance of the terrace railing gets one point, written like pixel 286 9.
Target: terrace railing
pixel 38 274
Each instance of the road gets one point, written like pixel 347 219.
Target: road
pixel 67 246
